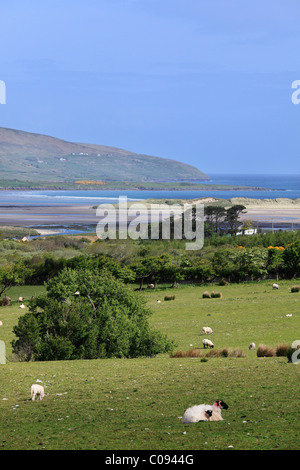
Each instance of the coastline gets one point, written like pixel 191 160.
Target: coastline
pixel 269 211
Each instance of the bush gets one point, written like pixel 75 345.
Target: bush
pixel 295 289
pixel 216 295
pixel 282 350
pixel 106 319
pixel 265 351
pixel 169 297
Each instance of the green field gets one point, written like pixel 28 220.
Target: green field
pixel 136 403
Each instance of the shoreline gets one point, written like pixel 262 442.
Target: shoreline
pixel 278 211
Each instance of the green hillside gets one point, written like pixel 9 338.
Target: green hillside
pixel 34 157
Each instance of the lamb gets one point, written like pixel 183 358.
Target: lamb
pixel 252 346
pixel 275 286
pixel 204 412
pixel 206 330
pixel 37 390
pixel 207 343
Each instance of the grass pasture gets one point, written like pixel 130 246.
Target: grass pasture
pixel 136 404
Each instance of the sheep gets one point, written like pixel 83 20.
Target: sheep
pixel 197 413
pixel 206 330
pixel 204 412
pixel 289 315
pixel 275 286
pixel 158 301
pixel 207 343
pixel 150 286
pixel 1 324
pixel 252 346
pixel 21 299
pixel 22 306
pixel 37 390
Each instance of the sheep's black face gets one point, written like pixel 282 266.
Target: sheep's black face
pixel 209 413
pixel 223 405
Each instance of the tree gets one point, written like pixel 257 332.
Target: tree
pixel 87 315
pixel 232 217
pixel 12 275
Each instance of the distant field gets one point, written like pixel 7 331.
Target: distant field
pixel 136 403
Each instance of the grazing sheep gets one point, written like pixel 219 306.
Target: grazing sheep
pixel 22 306
pixel 204 412
pixel 37 390
pixel 207 343
pixel 206 330
pixel 289 315
pixel 150 286
pixel 21 299
pixel 158 301
pixel 252 346
pixel 275 286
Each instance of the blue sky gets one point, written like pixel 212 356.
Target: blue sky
pixel 206 82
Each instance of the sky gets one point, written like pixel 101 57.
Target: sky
pixel 205 82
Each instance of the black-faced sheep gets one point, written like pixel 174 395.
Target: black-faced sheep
pixel 204 412
pixel 207 343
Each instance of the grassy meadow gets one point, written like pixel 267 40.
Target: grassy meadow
pixel 136 404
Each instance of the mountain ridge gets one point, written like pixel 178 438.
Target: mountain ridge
pixel 29 156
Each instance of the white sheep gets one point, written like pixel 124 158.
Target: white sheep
pixel 22 306
pixel 289 315
pixel 197 413
pixel 207 343
pixel 252 346
pixel 275 286
pixel 37 390
pixel 204 412
pixel 21 299
pixel 206 330
pixel 1 324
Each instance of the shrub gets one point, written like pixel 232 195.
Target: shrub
pixel 265 351
pixel 169 297
pixel 215 295
pixel 295 289
pixel 282 350
pixel 223 283
pixel 237 353
pixel 290 352
pixel 107 319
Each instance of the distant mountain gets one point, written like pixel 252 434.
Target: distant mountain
pixel 25 156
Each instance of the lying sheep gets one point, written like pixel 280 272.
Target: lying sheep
pixel 252 346
pixel 207 343
pixel 197 413
pixel 206 330
pixel 21 299
pixel 37 391
pixel 204 412
pixel 22 306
